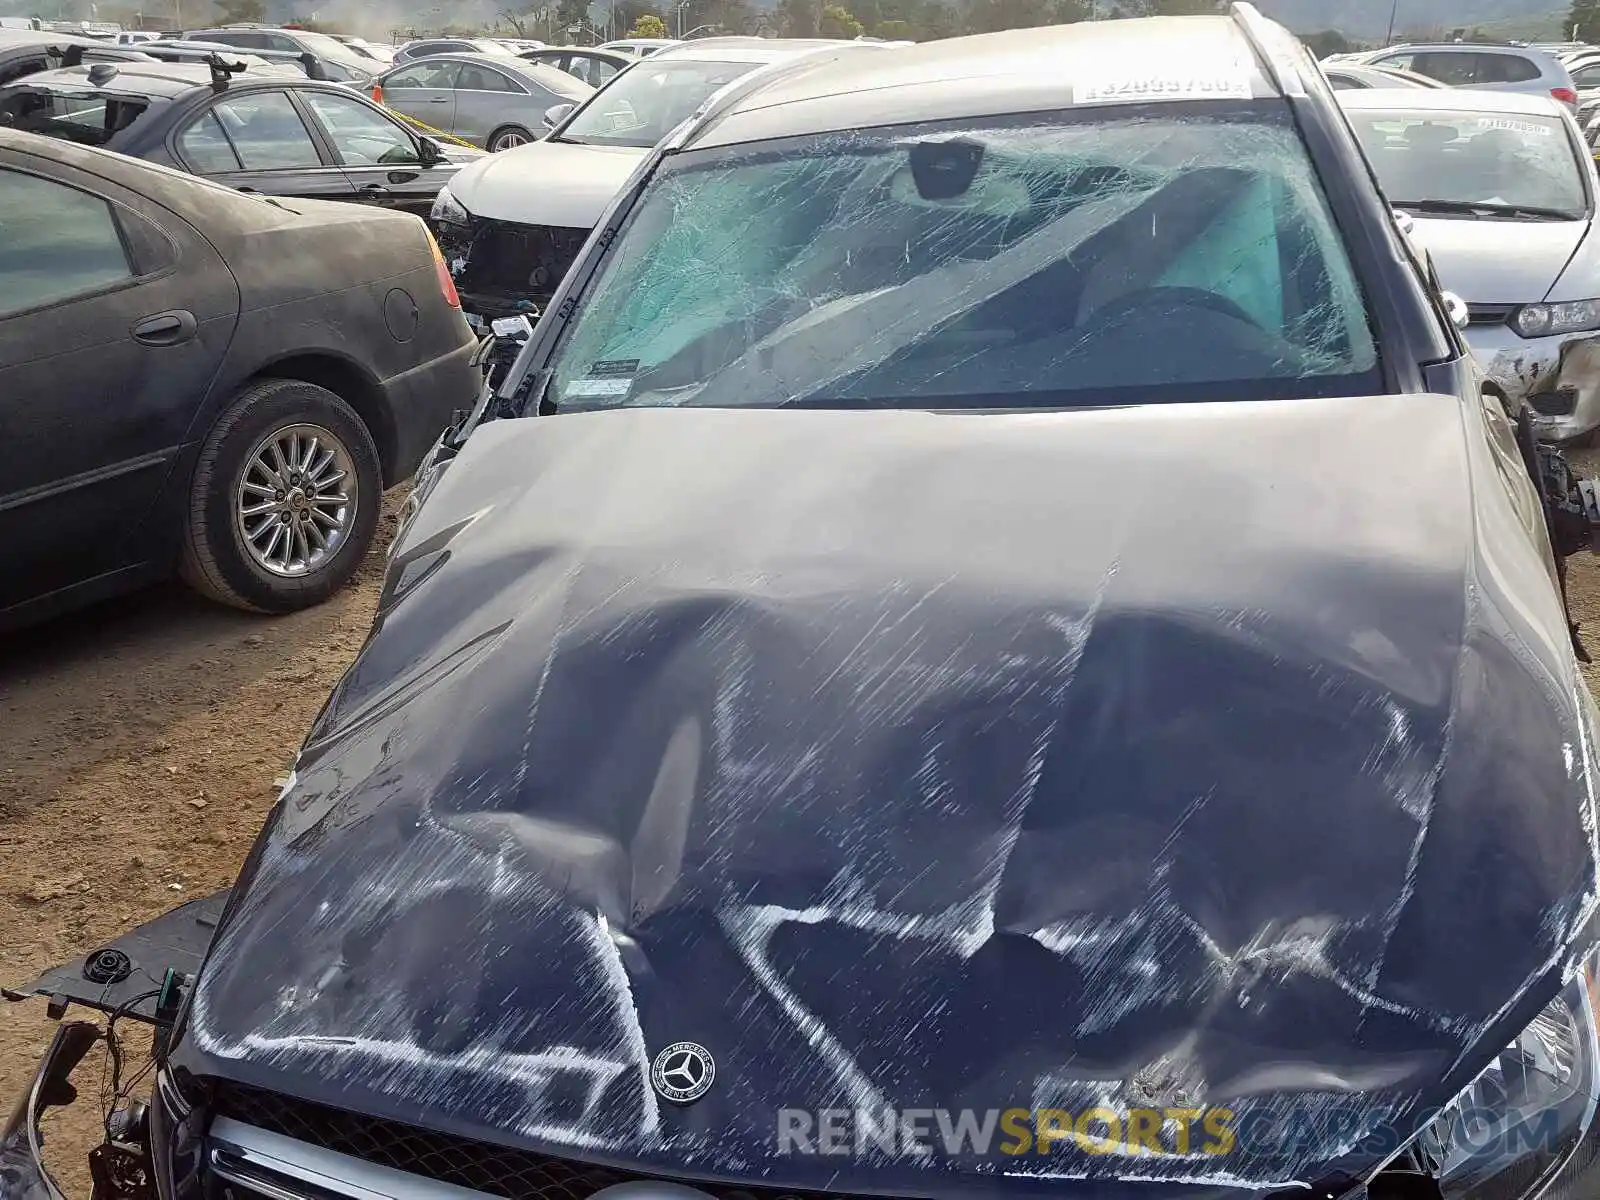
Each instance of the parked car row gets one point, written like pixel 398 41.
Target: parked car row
pixel 512 224
pixel 200 380
pixel 994 580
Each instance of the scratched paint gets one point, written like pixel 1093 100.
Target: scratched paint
pixel 920 760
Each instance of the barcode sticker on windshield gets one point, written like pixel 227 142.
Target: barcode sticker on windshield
pixel 1179 85
pixel 1528 128
pixel 598 388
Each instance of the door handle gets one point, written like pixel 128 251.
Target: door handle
pixel 440 100
pixel 165 329
pixel 375 190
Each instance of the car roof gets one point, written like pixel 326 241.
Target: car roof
pixel 741 49
pixel 1529 52
pixel 990 74
pixel 161 80
pixel 43 37
pixel 1454 100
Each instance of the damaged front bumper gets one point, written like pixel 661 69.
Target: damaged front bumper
pixel 1558 376
pixel 23 1175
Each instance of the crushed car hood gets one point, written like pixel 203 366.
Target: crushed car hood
pixel 906 760
pixel 1499 262
pixel 546 183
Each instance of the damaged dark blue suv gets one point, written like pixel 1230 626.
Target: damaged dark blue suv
pixel 993 641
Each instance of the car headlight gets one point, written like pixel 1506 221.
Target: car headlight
pixel 1528 1110
pixel 1569 316
pixel 447 209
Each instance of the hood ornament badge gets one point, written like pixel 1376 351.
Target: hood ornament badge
pixel 683 1072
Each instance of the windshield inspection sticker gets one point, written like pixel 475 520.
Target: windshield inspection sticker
pixel 1180 84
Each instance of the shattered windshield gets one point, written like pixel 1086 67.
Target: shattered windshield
pixel 1077 260
pixel 648 101
pixel 1475 160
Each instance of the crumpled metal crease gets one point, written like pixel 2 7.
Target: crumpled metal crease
pixel 1203 755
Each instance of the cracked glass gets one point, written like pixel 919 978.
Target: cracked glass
pixel 1077 260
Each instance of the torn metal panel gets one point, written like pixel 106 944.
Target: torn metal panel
pixel 1559 375
pixel 911 760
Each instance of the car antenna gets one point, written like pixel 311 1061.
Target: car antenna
pixel 222 71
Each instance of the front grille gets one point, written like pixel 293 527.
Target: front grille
pixel 1489 314
pixel 500 262
pixel 479 1166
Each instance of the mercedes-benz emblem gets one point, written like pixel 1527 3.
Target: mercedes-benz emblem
pixel 683 1072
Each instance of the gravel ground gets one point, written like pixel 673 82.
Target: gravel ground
pixel 138 745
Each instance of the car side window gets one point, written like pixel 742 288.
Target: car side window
pixel 429 73
pixel 1587 77
pixel 1404 62
pixel 593 71
pixel 1457 70
pixel 362 136
pixel 1343 83
pixel 267 132
pixel 56 242
pixel 1505 68
pixel 205 148
pixel 278 41
pixel 474 78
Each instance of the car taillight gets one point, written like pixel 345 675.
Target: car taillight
pixel 1565 95
pixel 377 93
pixel 446 284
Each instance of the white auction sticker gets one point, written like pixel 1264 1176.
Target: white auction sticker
pixel 1530 128
pixel 1179 85
pixel 598 387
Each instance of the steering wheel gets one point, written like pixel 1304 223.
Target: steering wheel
pixel 1169 296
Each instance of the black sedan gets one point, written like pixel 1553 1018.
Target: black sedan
pixel 262 130
pixel 194 379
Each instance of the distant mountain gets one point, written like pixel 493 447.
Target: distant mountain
pixel 1370 18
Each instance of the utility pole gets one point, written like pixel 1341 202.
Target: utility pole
pixel 1394 9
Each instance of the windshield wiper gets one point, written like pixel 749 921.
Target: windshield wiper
pixel 1476 208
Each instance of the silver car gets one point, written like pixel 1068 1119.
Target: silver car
pixel 1470 65
pixel 490 101
pixel 1501 192
pixel 1343 77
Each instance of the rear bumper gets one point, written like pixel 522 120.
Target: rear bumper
pixel 1558 376
pixel 425 400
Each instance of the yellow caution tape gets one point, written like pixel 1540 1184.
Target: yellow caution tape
pixel 426 128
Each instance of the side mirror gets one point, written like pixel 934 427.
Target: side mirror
pixel 429 152
pixel 1456 307
pixel 556 114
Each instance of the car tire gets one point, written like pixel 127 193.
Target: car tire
pixel 508 137
pixel 283 448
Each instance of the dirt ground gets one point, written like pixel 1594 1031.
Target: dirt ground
pixel 138 747
pixel 139 742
